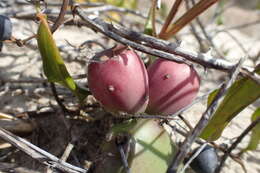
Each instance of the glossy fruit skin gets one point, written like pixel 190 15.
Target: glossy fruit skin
pixel 172 86
pixel 118 80
pixel 206 161
pixel 5 28
pixel 151 150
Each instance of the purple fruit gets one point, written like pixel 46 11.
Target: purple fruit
pixel 5 28
pixel 172 86
pixel 206 161
pixel 118 80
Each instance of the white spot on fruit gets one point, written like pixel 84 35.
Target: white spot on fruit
pixel 111 88
pixel 167 76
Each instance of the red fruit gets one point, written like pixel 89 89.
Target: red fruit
pixel 172 86
pixel 118 79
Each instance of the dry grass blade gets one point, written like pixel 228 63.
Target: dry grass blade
pixel 196 10
pixel 170 16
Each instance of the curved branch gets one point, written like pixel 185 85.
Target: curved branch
pixel 152 45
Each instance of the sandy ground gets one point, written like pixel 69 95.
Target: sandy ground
pixel 25 63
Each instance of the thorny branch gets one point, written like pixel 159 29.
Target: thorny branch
pixel 99 8
pixel 207 115
pixel 201 142
pixel 158 47
pixel 155 46
pixel 59 102
pixel 39 154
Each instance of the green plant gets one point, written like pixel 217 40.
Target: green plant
pixel 148 146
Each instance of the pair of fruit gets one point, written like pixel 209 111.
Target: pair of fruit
pixel 118 79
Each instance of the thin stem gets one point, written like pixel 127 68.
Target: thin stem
pixel 55 94
pixel 234 145
pixel 60 18
pixel 207 115
pixel 201 142
pixel 203 47
pixel 188 17
pixel 207 36
pixel 170 16
pixel 154 17
pixel 57 23
pixel 186 122
pixel 39 154
pixel 193 157
pixel 38 6
pixel 67 152
pixel 123 157
pixel 153 46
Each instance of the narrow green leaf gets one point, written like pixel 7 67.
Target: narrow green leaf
pixel 212 96
pixel 242 93
pixel 53 65
pixel 258 6
pixel 163 10
pixel 255 136
pixel 134 4
pixel 118 3
pixel 149 27
pixel 220 8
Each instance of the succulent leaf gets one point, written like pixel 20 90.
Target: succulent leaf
pixel 150 150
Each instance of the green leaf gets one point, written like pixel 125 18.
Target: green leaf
pixel 131 4
pixel 258 6
pixel 241 94
pixel 212 96
pixel 255 136
pixel 53 65
pixel 163 10
pixel 118 3
pixel 219 19
pixel 149 27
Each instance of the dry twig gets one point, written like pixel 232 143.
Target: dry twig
pixel 170 16
pixel 234 145
pixel 39 154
